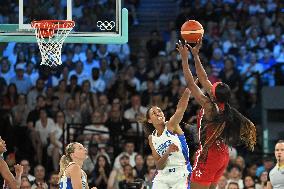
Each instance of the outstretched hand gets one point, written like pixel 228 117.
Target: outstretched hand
pixel 19 169
pixel 195 50
pixel 183 50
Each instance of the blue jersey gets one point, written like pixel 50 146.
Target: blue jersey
pixel 65 182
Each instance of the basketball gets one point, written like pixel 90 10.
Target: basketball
pixel 192 31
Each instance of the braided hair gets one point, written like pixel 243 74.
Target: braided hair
pixel 230 125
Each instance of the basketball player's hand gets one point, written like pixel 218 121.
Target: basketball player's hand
pixel 195 50
pixel 19 169
pixel 172 148
pixel 183 50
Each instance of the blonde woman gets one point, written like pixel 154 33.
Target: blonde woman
pixel 71 174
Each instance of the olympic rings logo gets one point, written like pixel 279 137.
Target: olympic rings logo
pixel 105 25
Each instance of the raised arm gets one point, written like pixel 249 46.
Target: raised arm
pixel 201 74
pixel 173 124
pixel 196 92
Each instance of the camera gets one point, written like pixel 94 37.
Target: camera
pixel 136 184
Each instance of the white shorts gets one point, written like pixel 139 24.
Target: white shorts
pixel 172 178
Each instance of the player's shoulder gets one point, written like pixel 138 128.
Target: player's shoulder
pixel 73 167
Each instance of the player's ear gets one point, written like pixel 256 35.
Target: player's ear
pixel 149 121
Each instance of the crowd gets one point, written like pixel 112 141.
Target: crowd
pixel 102 90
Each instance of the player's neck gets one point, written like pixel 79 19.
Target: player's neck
pixel 78 162
pixel 159 132
pixel 280 163
pixel 160 128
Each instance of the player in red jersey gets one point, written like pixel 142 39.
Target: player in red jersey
pixel 219 125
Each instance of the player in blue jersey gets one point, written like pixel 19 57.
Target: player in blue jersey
pixel 71 174
pixel 169 147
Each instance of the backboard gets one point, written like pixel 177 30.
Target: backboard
pixel 97 21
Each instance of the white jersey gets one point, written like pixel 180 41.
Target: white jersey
pixel 161 143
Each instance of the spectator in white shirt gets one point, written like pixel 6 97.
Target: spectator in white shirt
pixel 129 148
pixel 31 73
pixel 121 50
pixel 26 170
pixel 44 126
pixel 235 175
pixel 90 62
pixel 97 84
pixel 22 82
pixel 135 112
pixel 79 72
pixel 96 128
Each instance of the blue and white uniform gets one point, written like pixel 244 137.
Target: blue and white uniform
pixel 65 182
pixel 175 174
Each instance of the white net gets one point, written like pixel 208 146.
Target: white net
pixel 50 37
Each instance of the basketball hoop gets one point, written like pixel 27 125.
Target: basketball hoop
pixel 50 36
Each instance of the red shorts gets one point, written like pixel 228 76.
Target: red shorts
pixel 209 172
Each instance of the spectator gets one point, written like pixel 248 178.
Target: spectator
pixel 54 149
pixel 240 162
pixel 150 163
pixel 96 128
pixel 72 115
pixel 34 93
pixel 73 87
pixel 250 183
pixel 31 72
pixel 230 74
pixel 26 170
pixel 129 150
pixel 117 125
pixel 266 166
pixel 53 181
pixel 233 185
pixel 39 172
pixel 251 170
pixel 155 44
pixel 44 127
pixel 235 176
pixel 222 183
pixel 22 82
pixel 136 111
pixel 102 172
pixel 25 185
pixel 62 94
pixel 33 117
pixel 10 98
pixel 128 177
pixel 97 84
pixel 263 179
pixel 6 71
pixel 139 166
pixel 117 174
pixel 105 73
pixel 121 50
pixel 79 72
pixel 149 177
pixel 90 62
